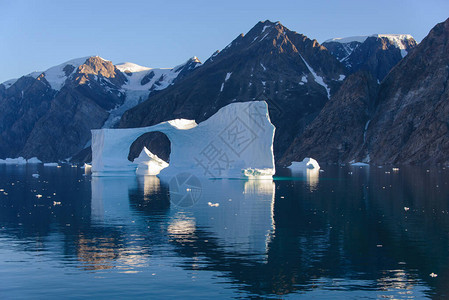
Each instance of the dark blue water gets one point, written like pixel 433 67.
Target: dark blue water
pixel 346 232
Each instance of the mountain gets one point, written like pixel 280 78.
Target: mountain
pixel 377 53
pixel 294 74
pixel 403 121
pixel 338 133
pixel 411 120
pixel 50 114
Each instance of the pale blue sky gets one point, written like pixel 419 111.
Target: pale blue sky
pixel 35 35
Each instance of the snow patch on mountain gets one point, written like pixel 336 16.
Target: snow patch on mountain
pixel 399 40
pixel 141 81
pixel 350 39
pixel 318 79
pixel 56 76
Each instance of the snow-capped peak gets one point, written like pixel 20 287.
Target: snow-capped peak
pixel 350 39
pixel 396 39
pixel 195 59
pixel 131 67
pixel 57 75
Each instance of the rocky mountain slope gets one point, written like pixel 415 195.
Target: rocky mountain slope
pixel 377 53
pixel 50 114
pixel 293 73
pixel 405 122
pixel 338 133
pixel 410 124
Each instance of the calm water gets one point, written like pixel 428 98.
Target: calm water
pixel 348 232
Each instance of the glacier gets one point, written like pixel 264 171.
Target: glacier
pixel 236 142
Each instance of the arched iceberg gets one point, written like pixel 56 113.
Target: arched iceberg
pixel 235 142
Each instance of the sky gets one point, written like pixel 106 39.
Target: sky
pixel 38 34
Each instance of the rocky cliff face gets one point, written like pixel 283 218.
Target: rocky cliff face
pixel 377 54
pixel 405 122
pixel 50 114
pixel 294 74
pixel 410 124
pixel 338 133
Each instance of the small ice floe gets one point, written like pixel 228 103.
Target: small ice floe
pixel 35 175
pixel 51 164
pixel 306 163
pixel 33 160
pixel 406 208
pixel 360 164
pixel 433 275
pixel 213 204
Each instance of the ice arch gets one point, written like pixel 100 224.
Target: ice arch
pixel 235 142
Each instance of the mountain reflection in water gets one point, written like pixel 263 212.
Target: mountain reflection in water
pixel 345 232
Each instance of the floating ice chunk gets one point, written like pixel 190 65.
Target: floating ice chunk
pixel 14 161
pixel 35 175
pixel 360 164
pixel 51 164
pixel 34 160
pixel 149 163
pixel 307 163
pixel 258 173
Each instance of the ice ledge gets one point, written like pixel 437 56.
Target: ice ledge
pixel 236 142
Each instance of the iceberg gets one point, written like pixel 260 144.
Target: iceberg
pixel 14 161
pixel 34 160
pixel 236 142
pixel 308 168
pixel 149 163
pixel 359 164
pixel 306 163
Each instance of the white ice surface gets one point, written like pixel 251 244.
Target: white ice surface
pixel 13 161
pixel 149 163
pixel 307 163
pixel 34 160
pixel 359 164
